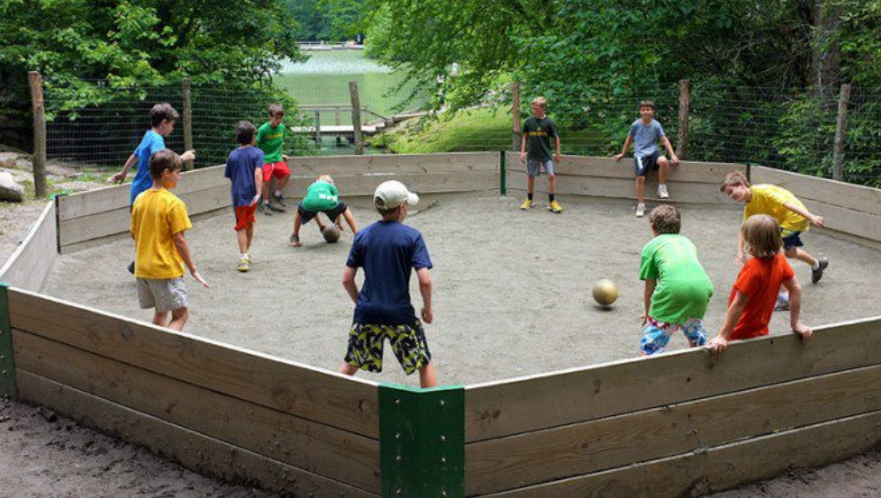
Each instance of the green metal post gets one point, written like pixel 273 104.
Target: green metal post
pixel 7 361
pixel 503 182
pixel 422 441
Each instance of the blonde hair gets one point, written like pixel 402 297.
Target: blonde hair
pixel 761 236
pixel 325 178
pixel 666 219
pixel 733 179
pixel 540 101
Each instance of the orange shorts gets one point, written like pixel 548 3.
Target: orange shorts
pixel 278 170
pixel 245 216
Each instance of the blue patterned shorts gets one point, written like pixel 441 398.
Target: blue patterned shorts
pixel 656 335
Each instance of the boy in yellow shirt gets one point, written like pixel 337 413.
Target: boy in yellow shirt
pixel 780 204
pixel 159 220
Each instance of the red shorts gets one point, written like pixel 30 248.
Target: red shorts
pixel 279 170
pixel 245 216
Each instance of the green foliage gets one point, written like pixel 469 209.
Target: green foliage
pixel 326 20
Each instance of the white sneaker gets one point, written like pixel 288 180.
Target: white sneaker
pixel 640 210
pixel 662 192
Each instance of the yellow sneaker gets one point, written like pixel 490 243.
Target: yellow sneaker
pixel 244 265
pixel 527 204
pixel 555 207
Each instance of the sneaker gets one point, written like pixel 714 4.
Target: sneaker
pixel 279 199
pixel 274 208
pixel 640 210
pixel 264 209
pixel 294 241
pixel 527 204
pixel 555 207
pixel 817 274
pixel 782 303
pixel 244 265
pixel 131 267
pixel 662 192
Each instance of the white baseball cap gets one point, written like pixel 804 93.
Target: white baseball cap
pixel 392 194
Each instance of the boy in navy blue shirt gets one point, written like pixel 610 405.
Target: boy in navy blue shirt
pixel 388 251
pixel 244 168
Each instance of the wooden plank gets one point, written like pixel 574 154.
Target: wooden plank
pixel 864 225
pixel 314 394
pixel 194 451
pixel 711 470
pixel 395 164
pixel 317 448
pixel 32 261
pixel 425 183
pixel 76 230
pixel 112 198
pixel 518 461
pixel 841 194
pixel 554 399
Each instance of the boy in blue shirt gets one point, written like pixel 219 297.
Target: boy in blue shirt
pixel 644 135
pixel 244 168
pixel 162 119
pixel 388 251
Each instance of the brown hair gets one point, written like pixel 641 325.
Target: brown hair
pixel 245 132
pixel 275 109
pixel 540 101
pixel 666 219
pixel 646 103
pixel 162 112
pixel 733 179
pixel 164 160
pixel 761 236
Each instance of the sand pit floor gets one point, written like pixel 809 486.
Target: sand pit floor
pixel 511 288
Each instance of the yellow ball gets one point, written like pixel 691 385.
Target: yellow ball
pixel 605 292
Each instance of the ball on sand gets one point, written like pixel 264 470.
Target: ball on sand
pixel 605 292
pixel 331 234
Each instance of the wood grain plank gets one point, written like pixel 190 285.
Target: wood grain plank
pixel 424 183
pixel 856 223
pixel 32 261
pixel 313 166
pixel 845 195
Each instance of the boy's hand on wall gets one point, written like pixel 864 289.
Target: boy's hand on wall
pixel 617 157
pixel 117 178
pixel 803 331
pixel 189 155
pixel 717 346
pixel 817 221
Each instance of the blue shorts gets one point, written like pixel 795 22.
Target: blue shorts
pixel 534 166
pixel 645 163
pixel 332 213
pixel 791 239
pixel 656 335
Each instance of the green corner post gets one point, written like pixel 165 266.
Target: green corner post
pixel 503 182
pixel 7 362
pixel 422 441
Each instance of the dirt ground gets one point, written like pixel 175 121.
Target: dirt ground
pixel 511 298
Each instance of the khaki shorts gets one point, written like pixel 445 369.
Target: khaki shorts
pixel 163 294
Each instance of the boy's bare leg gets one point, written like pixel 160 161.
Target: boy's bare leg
pixel 427 376
pixel 662 170
pixel 552 183
pixel 244 240
pixel 640 189
pixel 801 255
pixel 160 318
pixel 350 219
pixel 530 184
pixel 178 319
pixel 298 222
pixel 250 232
pixel 347 369
pixel 282 182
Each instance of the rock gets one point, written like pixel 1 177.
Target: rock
pixel 9 190
pixel 7 160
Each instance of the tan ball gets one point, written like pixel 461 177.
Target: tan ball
pixel 331 234
pixel 605 292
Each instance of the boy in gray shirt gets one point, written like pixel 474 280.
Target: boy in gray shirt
pixel 644 134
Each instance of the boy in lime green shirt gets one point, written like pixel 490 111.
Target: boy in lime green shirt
pixel 321 197
pixel 677 289
pixel 270 139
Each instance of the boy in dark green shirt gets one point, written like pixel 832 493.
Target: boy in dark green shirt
pixel 535 151
pixel 321 197
pixel 270 139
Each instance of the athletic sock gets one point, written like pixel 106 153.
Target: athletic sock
pixel 277 193
pixel 816 266
pixel 550 197
pixel 529 196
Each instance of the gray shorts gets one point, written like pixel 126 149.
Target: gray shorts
pixel 163 294
pixel 534 166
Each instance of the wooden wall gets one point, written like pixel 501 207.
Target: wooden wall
pixel 217 409
pixel 848 209
pixel 32 261
pixel 678 423
pixel 690 181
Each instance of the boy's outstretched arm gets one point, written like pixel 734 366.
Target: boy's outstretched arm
pixel 674 159
pixel 424 277
pixel 720 342
pixel 815 220
pixel 120 177
pixel 647 298
pixel 624 150
pixel 794 289
pixel 349 283
pixel 184 250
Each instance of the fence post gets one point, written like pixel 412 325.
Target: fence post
pixel 7 361
pixel 515 115
pixel 840 134
pixel 188 119
pixel 422 441
pixel 356 117
pixel 684 111
pixel 503 174
pixel 39 110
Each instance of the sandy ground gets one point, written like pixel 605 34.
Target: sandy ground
pixel 512 298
